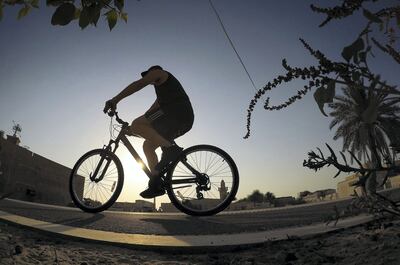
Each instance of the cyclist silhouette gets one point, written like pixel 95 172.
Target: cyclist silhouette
pixel 170 116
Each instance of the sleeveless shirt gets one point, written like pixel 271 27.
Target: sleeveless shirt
pixel 173 99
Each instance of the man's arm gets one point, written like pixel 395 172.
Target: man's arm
pixel 129 90
pixel 150 78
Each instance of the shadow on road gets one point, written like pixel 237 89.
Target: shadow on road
pixel 194 225
pixel 79 222
pixel 70 223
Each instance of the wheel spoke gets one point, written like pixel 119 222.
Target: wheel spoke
pixel 214 162
pixel 211 162
pixel 95 194
pixel 194 161
pixel 84 165
pixel 101 188
pixel 218 172
pixel 221 171
pixel 84 171
pixel 212 194
pixel 190 193
pixel 217 168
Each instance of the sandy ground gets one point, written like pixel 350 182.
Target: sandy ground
pixel 371 244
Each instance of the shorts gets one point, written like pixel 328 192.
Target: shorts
pixel 168 125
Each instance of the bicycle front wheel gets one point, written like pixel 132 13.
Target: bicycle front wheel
pixel 96 180
pixel 203 181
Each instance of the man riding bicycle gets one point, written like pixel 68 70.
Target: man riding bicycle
pixel 170 116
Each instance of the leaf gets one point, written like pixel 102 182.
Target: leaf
pixel 90 15
pixel 370 115
pixel 119 4
pixel 84 18
pixel 355 76
pixel 353 49
pixel 94 13
pixel 23 11
pixel 363 57
pixel 54 2
pixel 105 2
pixel 63 15
pixel 319 98
pixel 371 17
pixel 330 91
pixel 35 3
pixel 77 13
pixel 96 17
pixel 331 151
pixel 356 59
pixel 356 93
pixel 398 17
pixel 374 82
pixel 358 45
pixel 124 16
pixel 1 12
pixel 87 2
pixel 347 53
pixel 112 18
pixel 325 95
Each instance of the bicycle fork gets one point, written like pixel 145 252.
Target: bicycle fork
pixel 98 167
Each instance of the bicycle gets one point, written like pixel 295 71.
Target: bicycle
pixel 202 181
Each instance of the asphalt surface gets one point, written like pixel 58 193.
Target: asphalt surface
pixel 162 224
pixel 180 224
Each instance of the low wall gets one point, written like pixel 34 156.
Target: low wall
pixel 29 176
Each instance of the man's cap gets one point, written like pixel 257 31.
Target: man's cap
pixel 151 68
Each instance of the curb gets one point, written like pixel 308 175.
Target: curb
pixel 192 243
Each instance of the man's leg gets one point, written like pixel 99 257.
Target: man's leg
pixel 142 127
pixel 153 140
pixel 149 150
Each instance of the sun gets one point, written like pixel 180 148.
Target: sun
pixel 135 180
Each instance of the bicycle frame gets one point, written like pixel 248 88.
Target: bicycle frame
pixel 122 137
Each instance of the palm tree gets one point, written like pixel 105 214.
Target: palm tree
pixel 256 197
pixel 269 197
pixel 368 122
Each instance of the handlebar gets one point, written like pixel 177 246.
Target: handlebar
pixel 112 113
pixel 124 124
pixel 120 121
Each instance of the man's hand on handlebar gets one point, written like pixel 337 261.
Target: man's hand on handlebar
pixel 110 107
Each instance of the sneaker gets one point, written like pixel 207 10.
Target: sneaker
pixel 169 154
pixel 155 189
pixel 150 193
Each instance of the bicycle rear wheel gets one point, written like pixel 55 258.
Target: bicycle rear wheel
pixel 203 181
pixel 96 180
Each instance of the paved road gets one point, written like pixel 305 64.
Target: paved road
pixel 162 224
pixel 180 224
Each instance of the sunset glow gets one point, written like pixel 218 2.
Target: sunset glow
pixel 54 82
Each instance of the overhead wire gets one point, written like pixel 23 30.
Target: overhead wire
pixel 232 45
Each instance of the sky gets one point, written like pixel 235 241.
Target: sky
pixel 54 81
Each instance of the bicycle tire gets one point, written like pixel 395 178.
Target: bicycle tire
pixel 179 204
pixel 115 191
